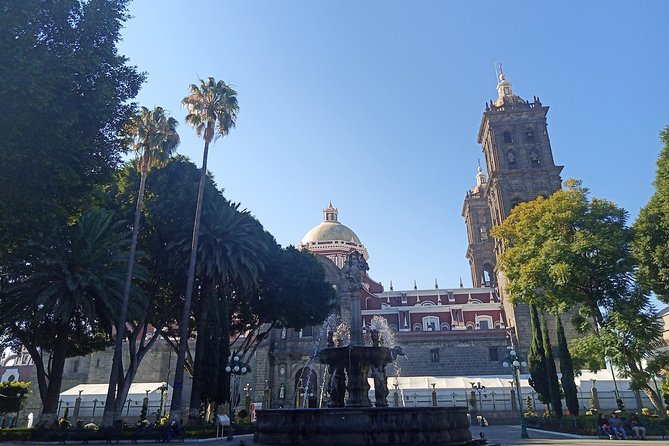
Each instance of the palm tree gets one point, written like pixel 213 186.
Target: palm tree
pixel 212 111
pixel 232 252
pixel 61 301
pixel 154 139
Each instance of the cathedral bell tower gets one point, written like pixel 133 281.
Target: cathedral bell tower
pixel 519 162
pixel 517 150
pixel 480 245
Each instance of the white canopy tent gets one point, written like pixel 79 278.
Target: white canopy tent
pixel 93 397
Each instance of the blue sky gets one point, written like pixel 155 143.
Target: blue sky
pixel 375 106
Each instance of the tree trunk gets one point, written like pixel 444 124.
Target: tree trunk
pixel 52 396
pixel 654 399
pixel 108 415
pixel 177 394
pixel 198 364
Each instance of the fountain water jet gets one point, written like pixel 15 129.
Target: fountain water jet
pixel 350 417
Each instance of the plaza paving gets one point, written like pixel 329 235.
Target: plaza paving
pixel 510 435
pixel 496 435
pixel 505 436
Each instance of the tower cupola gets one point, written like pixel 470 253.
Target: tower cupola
pixel 330 213
pixel 504 87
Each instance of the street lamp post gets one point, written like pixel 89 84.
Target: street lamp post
pixel 163 400
pixel 235 368
pixel 516 362
pixel 476 386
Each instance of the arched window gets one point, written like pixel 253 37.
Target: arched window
pixel 484 233
pixel 470 325
pixel 511 158
pixel 484 322
pixel 535 158
pixel 488 275
pixel 392 327
pixel 430 323
pixel 427 303
pixel 529 134
pixel 506 137
pixel 417 327
pixel 445 326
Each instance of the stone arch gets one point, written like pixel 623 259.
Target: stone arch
pixel 489 278
pixel 445 326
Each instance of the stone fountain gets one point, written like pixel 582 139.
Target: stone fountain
pixel 350 417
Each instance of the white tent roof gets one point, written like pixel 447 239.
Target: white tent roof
pixel 603 381
pixel 454 382
pixel 99 391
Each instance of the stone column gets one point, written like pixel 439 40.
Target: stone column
pixel 355 270
pixel 356 319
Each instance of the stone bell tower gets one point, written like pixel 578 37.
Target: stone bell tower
pixel 520 166
pixel 480 245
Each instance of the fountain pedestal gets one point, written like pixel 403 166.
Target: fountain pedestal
pixel 360 363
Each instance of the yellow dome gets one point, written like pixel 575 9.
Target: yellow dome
pixel 330 231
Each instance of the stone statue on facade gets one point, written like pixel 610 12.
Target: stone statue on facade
pixel 355 269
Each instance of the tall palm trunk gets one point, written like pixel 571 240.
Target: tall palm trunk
pixel 116 371
pixel 177 393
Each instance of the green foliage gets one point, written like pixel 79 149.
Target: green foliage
pixel 12 395
pixel 65 95
pixel 61 301
pixel 153 137
pixel 566 251
pixel 75 283
pixel 472 401
pixel 529 408
pixel 651 243
pixel 536 359
pixel 212 108
pixel 551 372
pixel 567 370
pixel 572 252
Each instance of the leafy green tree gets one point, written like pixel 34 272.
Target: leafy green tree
pixel 651 242
pixel 212 111
pixel 567 370
pixel 551 372
pixel 13 395
pixel 61 301
pixel 154 139
pixel 536 359
pixel 65 92
pixel 571 252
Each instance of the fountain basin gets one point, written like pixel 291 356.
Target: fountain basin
pixel 364 426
